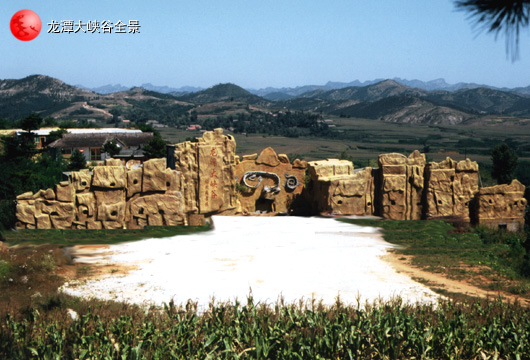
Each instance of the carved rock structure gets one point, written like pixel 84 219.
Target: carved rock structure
pixel 269 182
pixel 451 187
pixel 401 188
pixel 207 178
pixel 207 173
pixel 501 206
pixel 338 189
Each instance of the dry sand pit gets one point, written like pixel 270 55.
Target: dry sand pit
pixel 273 257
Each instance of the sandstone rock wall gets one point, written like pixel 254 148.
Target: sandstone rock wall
pixel 114 196
pixel 103 199
pixel 451 187
pixel 501 206
pixel 401 186
pixel 268 182
pixel 207 173
pixel 338 189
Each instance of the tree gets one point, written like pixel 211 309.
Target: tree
pixel 504 161
pixel 55 135
pixel 156 147
pixel 31 122
pixel 111 147
pixel 500 16
pixel 77 161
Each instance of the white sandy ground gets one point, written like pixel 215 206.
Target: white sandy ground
pixel 272 257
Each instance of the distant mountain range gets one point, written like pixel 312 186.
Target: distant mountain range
pixel 397 100
pixel 284 93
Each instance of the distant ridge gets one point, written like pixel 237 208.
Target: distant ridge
pixel 275 94
pixel 223 92
pixel 387 100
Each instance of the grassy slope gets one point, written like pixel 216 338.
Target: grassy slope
pixel 85 237
pixel 498 257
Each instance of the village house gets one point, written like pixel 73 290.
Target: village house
pixel 90 143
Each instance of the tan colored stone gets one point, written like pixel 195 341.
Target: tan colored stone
pixel 94 225
pixel 25 212
pixel 47 194
pixel 110 206
pixel 392 159
pixel 157 209
pixel 283 158
pixel 216 170
pixel 249 157
pixel 56 208
pixel 271 188
pixel 79 225
pixel 451 187
pixel 318 170
pixel 82 180
pixel 134 181
pixel 172 181
pixel 299 164
pixel 86 206
pixel 402 185
pixel 65 191
pixel 268 157
pixel 109 177
pixel 25 196
pixel 43 222
pixel 59 222
pixel 196 220
pixel 154 177
pixel 501 206
pixel 346 195
pixel 186 162
pixel 113 162
pixel 112 225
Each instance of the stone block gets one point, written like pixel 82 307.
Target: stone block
pixel 82 180
pixel 154 176
pixel 43 221
pixel 65 191
pixel 109 177
pixel 134 181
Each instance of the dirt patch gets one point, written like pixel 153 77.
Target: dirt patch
pixel 91 262
pixel 440 281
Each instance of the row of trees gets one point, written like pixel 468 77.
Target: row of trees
pixel 291 124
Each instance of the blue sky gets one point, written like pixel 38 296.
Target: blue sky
pixel 256 44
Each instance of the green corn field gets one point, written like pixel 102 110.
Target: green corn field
pixel 470 329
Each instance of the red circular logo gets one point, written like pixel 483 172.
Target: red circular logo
pixel 25 25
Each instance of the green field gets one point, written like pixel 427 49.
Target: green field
pixel 365 139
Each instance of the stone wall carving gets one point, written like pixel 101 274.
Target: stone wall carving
pixel 501 206
pixel 451 187
pixel 401 186
pixel 338 189
pixel 268 182
pixel 207 172
pixel 109 197
pixel 208 178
